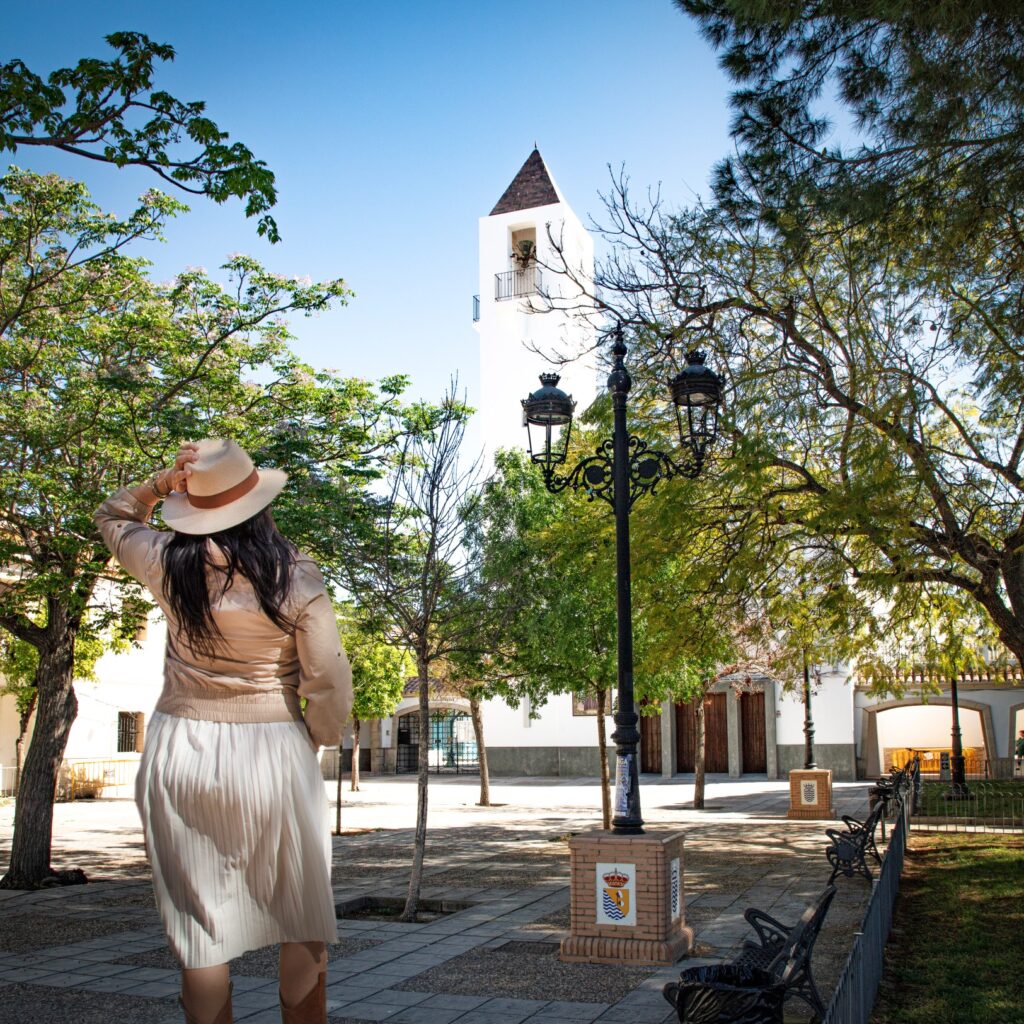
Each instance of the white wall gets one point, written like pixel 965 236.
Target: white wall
pixel 509 368
pixel 9 724
pixel 131 681
pixel 555 726
pixel 831 711
pixel 923 727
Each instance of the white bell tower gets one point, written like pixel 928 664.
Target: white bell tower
pixel 515 254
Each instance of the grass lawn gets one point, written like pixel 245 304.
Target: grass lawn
pixel 997 799
pixel 955 952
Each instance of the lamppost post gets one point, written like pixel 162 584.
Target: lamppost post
pixel 627 819
pixel 958 769
pixel 809 761
pixel 622 469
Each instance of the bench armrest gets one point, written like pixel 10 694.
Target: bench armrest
pixel 770 932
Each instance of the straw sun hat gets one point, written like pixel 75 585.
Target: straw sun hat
pixel 224 489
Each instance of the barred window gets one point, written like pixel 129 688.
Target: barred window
pixel 129 731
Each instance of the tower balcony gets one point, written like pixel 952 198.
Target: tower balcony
pixel 515 284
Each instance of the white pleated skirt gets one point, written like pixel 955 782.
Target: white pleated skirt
pixel 238 835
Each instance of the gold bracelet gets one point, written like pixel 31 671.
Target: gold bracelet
pixel 151 483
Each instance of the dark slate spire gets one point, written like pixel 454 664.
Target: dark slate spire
pixel 532 186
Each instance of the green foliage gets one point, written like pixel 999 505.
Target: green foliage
pixel 863 288
pixel 873 415
pixel 379 669
pixel 931 99
pixel 550 561
pixel 107 110
pixel 104 373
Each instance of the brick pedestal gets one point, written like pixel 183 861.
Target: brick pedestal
pixel 627 899
pixel 810 793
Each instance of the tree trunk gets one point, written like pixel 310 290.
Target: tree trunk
pixel 412 900
pixel 698 755
pixel 481 752
pixel 19 746
pixel 56 708
pixel 355 755
pixel 602 745
pixel 341 774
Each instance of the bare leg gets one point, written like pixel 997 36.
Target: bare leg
pixel 204 991
pixel 301 962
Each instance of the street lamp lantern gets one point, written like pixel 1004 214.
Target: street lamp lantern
pixel 547 416
pixel 697 394
pixel 623 469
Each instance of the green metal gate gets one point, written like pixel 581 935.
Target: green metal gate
pixel 452 743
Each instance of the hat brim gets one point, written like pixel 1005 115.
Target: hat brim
pixel 184 517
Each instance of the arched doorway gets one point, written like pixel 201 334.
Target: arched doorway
pixel 901 729
pixel 452 742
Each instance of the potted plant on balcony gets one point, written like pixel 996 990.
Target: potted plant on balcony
pixel 524 252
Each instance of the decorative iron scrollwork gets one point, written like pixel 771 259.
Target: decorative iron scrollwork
pixel 595 474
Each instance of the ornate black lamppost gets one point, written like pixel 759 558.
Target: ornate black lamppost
pixel 621 471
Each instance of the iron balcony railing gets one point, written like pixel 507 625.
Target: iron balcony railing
pixel 514 284
pixel 476 308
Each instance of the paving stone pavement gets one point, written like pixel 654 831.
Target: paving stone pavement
pixel 96 953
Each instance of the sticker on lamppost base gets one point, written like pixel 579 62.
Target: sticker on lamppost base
pixel 623 768
pixel 616 894
pixel 675 890
pixel 809 792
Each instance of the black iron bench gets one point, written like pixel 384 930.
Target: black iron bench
pixel 892 787
pixel 777 963
pixel 847 850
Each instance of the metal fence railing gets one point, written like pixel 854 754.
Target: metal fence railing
pixel 854 996
pixel 514 284
pixel 8 780
pixel 995 806
pixel 86 779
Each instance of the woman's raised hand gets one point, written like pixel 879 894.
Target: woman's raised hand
pixel 187 453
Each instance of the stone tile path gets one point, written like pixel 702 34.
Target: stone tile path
pixel 96 953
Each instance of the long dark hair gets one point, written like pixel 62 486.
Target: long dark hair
pixel 256 549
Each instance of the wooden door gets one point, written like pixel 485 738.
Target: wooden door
pixel 755 748
pixel 650 743
pixel 684 737
pixel 716 735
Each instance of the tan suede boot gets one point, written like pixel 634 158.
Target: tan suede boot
pixel 312 1009
pixel 223 1017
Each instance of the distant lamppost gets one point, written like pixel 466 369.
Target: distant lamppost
pixel 809 761
pixel 958 789
pixel 621 471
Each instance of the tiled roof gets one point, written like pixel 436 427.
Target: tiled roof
pixel 532 186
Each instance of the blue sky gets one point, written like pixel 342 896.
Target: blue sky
pixel 391 127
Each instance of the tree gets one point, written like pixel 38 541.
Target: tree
pixel 409 571
pixel 102 373
pixel 554 591
pixel 112 117
pixel 871 411
pixel 379 671
pixel 19 664
pixel 931 97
